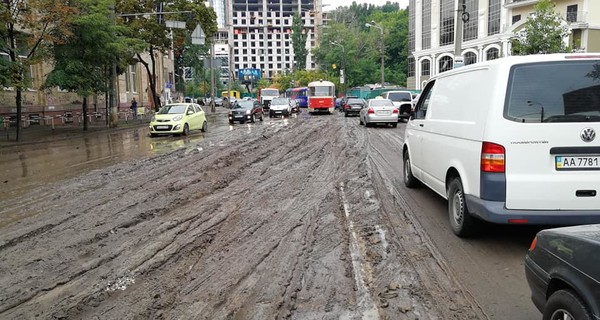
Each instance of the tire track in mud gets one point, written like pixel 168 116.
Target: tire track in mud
pixel 436 284
pixel 250 224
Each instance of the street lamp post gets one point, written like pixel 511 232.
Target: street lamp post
pixel 375 25
pixel 343 70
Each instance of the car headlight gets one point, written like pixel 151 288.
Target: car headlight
pixel 177 118
pixel 248 111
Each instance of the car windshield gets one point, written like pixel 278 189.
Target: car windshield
pixel 400 96
pixel 243 104
pixel 279 101
pixel 381 103
pixel 354 101
pixel 270 92
pixel 537 94
pixel 173 109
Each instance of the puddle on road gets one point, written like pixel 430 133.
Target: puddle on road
pixel 28 166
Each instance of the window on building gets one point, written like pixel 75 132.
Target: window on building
pixel 470 27
pixel 492 54
pixel 494 17
pixel 470 58
pixel 446 22
pixel 516 18
pixel 411 67
pixel 425 67
pixel 133 74
pixel 572 13
pixel 426 25
pixel 446 63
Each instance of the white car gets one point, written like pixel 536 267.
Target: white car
pixel 280 107
pixel 380 111
pixel 510 141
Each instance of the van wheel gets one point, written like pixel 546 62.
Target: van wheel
pixel 409 180
pixel 565 304
pixel 463 224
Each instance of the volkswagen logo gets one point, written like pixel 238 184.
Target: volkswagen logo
pixel 588 135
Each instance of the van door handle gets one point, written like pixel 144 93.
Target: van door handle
pixel 421 125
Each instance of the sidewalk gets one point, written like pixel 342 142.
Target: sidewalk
pixel 40 133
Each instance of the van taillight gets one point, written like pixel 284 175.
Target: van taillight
pixel 492 157
pixel 371 111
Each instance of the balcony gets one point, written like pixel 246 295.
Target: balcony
pixel 511 4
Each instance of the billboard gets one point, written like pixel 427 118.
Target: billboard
pixel 249 74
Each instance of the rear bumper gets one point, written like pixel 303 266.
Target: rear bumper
pixel 538 280
pixel 382 119
pixel 496 212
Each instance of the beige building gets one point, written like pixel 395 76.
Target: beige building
pixel 133 83
pixel 487 33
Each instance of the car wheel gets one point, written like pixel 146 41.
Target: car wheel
pixel 346 114
pixel 463 224
pixel 566 304
pixel 394 124
pixel 409 180
pixel 230 122
pixel 261 117
pixel 252 118
pixel 360 122
pixel 186 130
pixel 204 127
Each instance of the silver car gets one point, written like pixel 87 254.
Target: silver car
pixel 379 110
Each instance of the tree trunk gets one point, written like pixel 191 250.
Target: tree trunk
pixel 85 113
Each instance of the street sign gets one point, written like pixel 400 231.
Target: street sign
pixel 198 36
pixel 175 24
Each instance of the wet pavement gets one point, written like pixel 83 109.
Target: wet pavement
pixel 45 154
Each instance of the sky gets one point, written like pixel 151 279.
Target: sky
pixel 332 4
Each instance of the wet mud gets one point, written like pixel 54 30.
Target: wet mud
pixel 283 219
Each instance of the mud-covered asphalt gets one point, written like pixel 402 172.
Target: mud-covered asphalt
pixel 289 218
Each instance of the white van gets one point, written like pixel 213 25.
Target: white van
pixel 510 141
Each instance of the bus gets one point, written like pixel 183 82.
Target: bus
pixel 299 94
pixel 321 96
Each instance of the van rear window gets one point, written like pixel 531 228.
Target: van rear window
pixel 554 92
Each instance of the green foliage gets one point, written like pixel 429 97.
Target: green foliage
pixel 82 58
pixel 543 32
pixel 299 35
pixel 361 55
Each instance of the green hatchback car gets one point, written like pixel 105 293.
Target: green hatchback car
pixel 178 119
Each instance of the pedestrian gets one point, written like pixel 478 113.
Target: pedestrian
pixel 134 108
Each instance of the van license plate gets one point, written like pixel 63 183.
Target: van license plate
pixel 577 163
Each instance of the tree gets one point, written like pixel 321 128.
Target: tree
pixel 27 27
pixel 154 32
pixel 299 36
pixel 82 57
pixel 543 32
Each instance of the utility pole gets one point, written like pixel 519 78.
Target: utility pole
pixel 373 24
pixel 462 16
pixel 212 78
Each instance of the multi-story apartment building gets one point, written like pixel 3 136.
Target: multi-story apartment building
pixel 488 32
pixel 257 34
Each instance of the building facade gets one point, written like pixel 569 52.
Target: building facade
pixel 487 32
pixel 256 34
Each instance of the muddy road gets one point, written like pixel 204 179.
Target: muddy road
pixel 301 218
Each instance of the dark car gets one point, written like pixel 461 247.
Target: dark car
pixel 352 106
pixel 563 273
pixel 245 110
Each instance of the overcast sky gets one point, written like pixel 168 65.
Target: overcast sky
pixel 332 4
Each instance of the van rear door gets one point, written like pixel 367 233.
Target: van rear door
pixel 550 127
